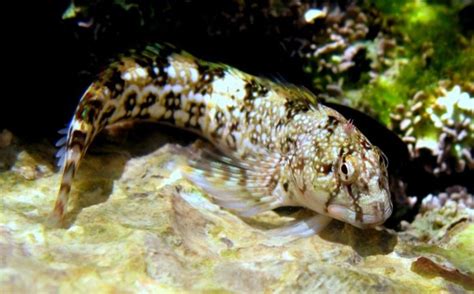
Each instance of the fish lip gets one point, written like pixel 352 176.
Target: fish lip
pixel 348 215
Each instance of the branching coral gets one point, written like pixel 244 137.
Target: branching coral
pixel 442 124
pixel 456 194
pixel 346 45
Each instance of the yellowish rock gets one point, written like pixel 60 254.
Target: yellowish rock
pixel 137 226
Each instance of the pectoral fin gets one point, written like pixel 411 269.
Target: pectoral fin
pixel 303 228
pixel 244 186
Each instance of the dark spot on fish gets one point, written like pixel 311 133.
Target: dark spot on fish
pixel 327 168
pixel 247 110
pixel 234 126
pixel 142 61
pixel 151 72
pixel 218 72
pixel 357 208
pixel 231 143
pixel 65 188
pixel 130 101
pixel 288 144
pixel 88 110
pixel 208 73
pixel 149 100
pixel 218 130
pixel 219 116
pixel 365 144
pixel 381 182
pixel 242 178
pixel 253 138
pixel 162 78
pixel 358 211
pixel 107 114
pixel 285 186
pixel 112 79
pixel 160 62
pixel 78 138
pixel 254 89
pixel 225 175
pixel 279 124
pixel 172 101
pixel 331 124
pixel 294 107
pixel 364 186
pixel 201 68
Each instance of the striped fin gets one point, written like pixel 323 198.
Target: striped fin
pixel 61 144
pixel 245 187
pixel 61 155
pixel 63 131
pixel 73 146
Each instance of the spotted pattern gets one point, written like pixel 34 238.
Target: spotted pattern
pixel 298 145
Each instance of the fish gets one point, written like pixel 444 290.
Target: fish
pixel 272 144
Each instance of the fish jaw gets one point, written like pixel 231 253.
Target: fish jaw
pixel 369 220
pixel 371 215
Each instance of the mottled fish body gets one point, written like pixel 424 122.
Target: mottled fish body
pixel 277 145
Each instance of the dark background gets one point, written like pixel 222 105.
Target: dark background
pixel 53 60
pixel 49 62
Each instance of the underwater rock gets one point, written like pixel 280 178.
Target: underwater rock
pixel 137 225
pixel 6 138
pixel 443 233
pixel 439 213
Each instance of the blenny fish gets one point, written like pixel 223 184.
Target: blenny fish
pixel 275 145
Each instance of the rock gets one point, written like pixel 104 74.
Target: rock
pixel 137 226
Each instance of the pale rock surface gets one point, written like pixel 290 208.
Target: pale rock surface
pixel 138 226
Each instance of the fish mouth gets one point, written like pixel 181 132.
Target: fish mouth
pixel 348 215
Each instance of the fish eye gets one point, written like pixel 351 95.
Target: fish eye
pixel 347 170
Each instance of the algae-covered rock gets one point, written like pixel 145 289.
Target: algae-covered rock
pixel 137 226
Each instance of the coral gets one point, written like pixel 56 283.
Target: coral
pixel 442 123
pixel 456 194
pixel 439 213
pixel 345 46
pixel 336 43
pixel 426 45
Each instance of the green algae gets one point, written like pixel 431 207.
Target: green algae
pixel 432 49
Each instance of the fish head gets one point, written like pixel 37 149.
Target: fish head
pixel 362 195
pixel 345 176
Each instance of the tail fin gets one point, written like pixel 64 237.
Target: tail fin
pixel 78 136
pixel 106 102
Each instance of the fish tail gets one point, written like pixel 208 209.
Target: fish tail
pixel 145 84
pixel 83 128
pixel 60 205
